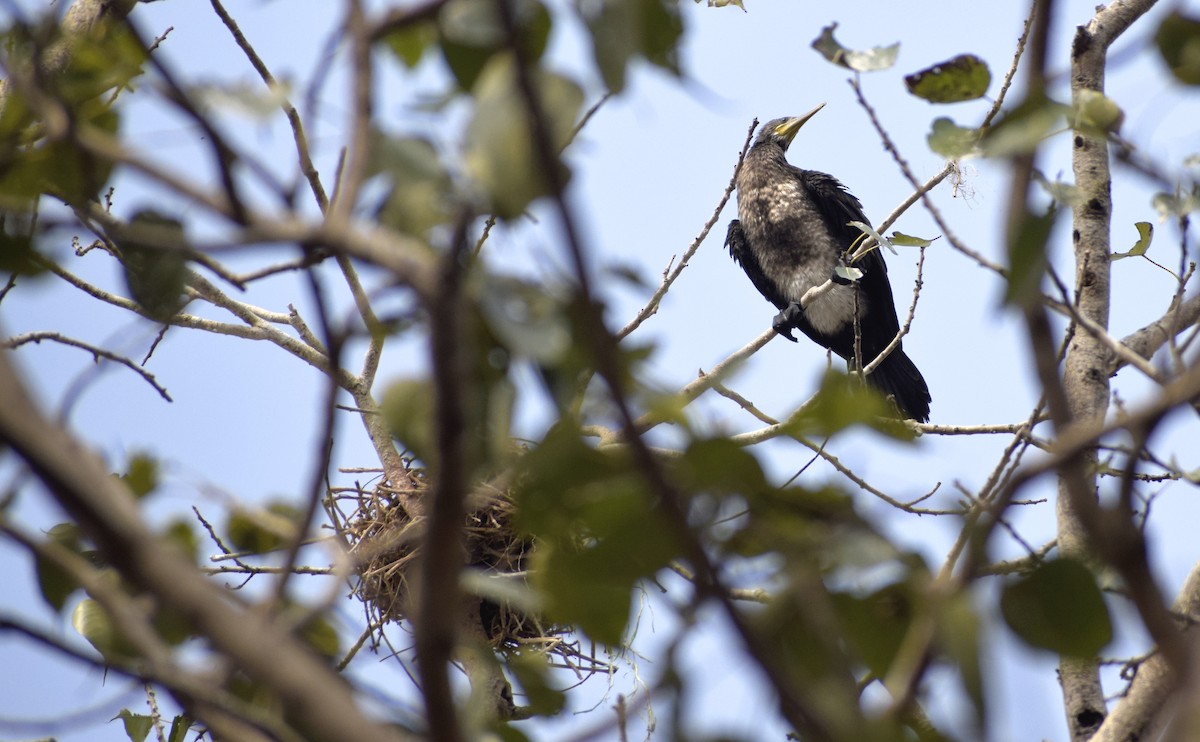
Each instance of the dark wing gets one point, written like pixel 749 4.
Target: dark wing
pixel 739 249
pixel 896 376
pixel 838 208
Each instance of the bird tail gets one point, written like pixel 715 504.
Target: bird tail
pixel 897 377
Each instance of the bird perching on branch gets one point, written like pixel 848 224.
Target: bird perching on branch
pixel 792 231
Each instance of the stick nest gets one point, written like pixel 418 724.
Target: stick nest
pixel 385 541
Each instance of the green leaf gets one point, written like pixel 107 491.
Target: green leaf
pixel 965 77
pixel 720 465
pixel 180 534
pixel 624 29
pixel 876 624
pixel 94 624
pixel 529 320
pixel 1180 204
pixel 723 3
pixel 1145 235
pixel 1027 257
pixel 320 634
pixel 1063 193
pixel 421 195
pixel 598 531
pixel 844 401
pixel 907 240
pixel 472 34
pixel 1095 114
pixel 137 726
pixel 533 673
pixel 847 272
pixel 141 475
pixel 260 530
pixel 180 726
pixel 409 43
pixel 1178 40
pixel 500 151
pixel 950 140
pixel 1060 608
pixel 869 231
pixel 17 226
pixel 55 583
pixel 155 262
pixel 408 409
pixel 1023 128
pixel 958 637
pixel 867 60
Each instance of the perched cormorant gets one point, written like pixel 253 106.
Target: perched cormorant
pixel 792 228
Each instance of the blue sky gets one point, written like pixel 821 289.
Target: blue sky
pixel 648 171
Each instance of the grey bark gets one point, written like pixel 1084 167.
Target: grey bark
pixel 1088 361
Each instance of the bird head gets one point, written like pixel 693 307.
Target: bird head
pixel 782 131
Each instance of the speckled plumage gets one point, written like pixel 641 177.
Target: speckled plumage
pixel 792 226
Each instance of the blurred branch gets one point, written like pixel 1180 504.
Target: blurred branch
pixel 670 274
pixel 312 694
pixel 1155 697
pixel 293 116
pixel 97 353
pixel 438 621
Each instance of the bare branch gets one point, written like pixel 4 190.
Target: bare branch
pixel 97 353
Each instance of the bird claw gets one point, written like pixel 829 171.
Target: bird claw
pixel 785 321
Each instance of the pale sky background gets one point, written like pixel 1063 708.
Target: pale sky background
pixel 648 171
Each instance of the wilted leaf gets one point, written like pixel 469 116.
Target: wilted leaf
pixel 152 254
pixel 500 151
pixel 965 77
pixel 867 60
pixel 1145 235
pixel 1058 607
pixel 950 140
pixel 1178 40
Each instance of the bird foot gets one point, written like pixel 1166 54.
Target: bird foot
pixel 785 321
